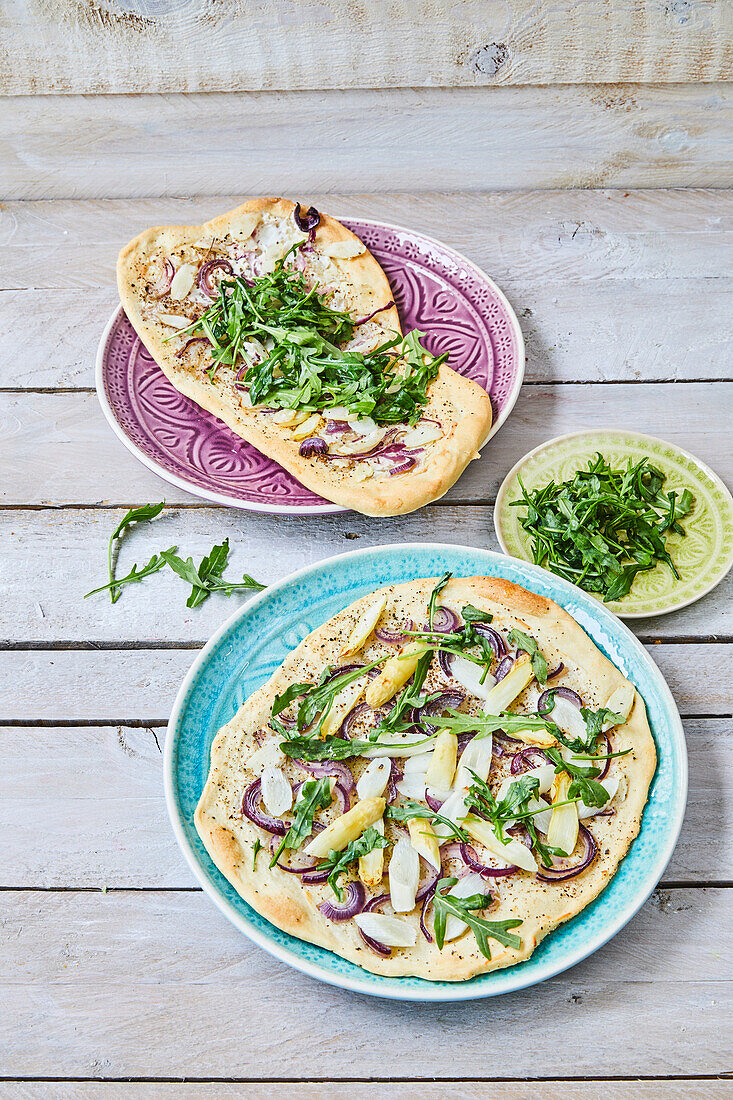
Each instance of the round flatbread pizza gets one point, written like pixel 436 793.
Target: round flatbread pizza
pixel 432 780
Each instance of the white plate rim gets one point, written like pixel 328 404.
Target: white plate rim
pixel 306 509
pixel 504 487
pixel 463 991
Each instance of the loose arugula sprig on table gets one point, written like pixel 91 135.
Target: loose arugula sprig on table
pixel 446 905
pixel 305 367
pixel 604 525
pixel 315 795
pixel 204 580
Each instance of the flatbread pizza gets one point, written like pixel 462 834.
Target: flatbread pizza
pixel 432 781
pixel 277 319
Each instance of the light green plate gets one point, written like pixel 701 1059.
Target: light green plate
pixel 702 557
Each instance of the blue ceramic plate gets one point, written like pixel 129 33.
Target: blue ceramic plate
pixel 254 641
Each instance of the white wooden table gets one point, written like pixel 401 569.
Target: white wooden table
pixel 119 978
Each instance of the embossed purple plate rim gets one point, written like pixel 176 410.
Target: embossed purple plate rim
pixel 303 509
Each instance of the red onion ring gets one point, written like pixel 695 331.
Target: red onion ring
pixel 363 320
pixel 447 700
pixel 445 621
pixel 402 467
pixel 603 752
pixel 206 271
pixel 445 662
pixel 559 873
pixel 392 638
pixel 250 802
pixel 451 853
pixel 431 878
pixel 187 345
pixel 328 767
pixel 424 911
pixel 501 745
pixel 433 802
pixel 395 775
pixel 523 759
pixel 556 671
pixel 377 947
pixel 164 283
pixel 352 904
pixel 337 427
pixel 504 666
pixel 470 858
pixel 564 693
pixel 311 448
pixel 308 221
pixel 493 637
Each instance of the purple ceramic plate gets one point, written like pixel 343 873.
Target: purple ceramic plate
pixel 436 290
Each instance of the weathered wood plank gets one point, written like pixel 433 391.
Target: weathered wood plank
pixel 65 46
pixel 139 685
pixel 58 448
pixel 306 1090
pixel 173 953
pixel 47 803
pixel 52 557
pixel 400 140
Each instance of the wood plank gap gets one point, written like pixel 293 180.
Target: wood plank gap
pixel 364 1080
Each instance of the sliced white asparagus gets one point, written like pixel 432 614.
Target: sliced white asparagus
pixel 422 434
pixel 419 763
pixel 466 887
pixel 307 428
pixel 503 694
pixel 407 745
pixel 442 766
pixel 469 674
pixel 563 830
pixel 611 786
pixel 277 794
pixel 374 778
pixel 182 282
pixel 545 773
pixel 395 674
pixel 404 876
pixel 346 828
pixel 268 754
pixel 424 840
pixel 475 758
pixel 174 320
pixel 364 627
pixel 513 853
pixel 391 931
pixel 342 705
pixel 412 785
pixel 289 418
pixel 621 701
pixel 371 866
pixel 568 718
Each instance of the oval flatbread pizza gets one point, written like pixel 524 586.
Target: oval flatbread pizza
pixel 277 319
pixel 432 781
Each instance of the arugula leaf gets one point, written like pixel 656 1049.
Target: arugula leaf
pixel 339 861
pixel 604 525
pixel 255 851
pixel 207 578
pixel 319 698
pixel 464 908
pixel 315 795
pixel 434 597
pixel 410 809
pixel 155 564
pixel 408 699
pixel 472 614
pixel 283 701
pixel 484 724
pixel 595 720
pixel 523 641
pixel 589 791
pixel 331 748
pixel 136 515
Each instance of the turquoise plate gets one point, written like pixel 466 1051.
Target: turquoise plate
pixel 254 641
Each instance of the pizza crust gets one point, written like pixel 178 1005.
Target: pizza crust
pixel 460 405
pixel 283 900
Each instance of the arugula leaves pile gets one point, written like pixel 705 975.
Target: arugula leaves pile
pixel 446 905
pixel 514 806
pixel 409 810
pixel 305 368
pixel 204 580
pixel 605 525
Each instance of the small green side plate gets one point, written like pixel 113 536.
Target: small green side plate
pixel 702 557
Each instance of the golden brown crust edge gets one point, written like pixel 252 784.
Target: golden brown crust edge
pixel 280 900
pixel 459 401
